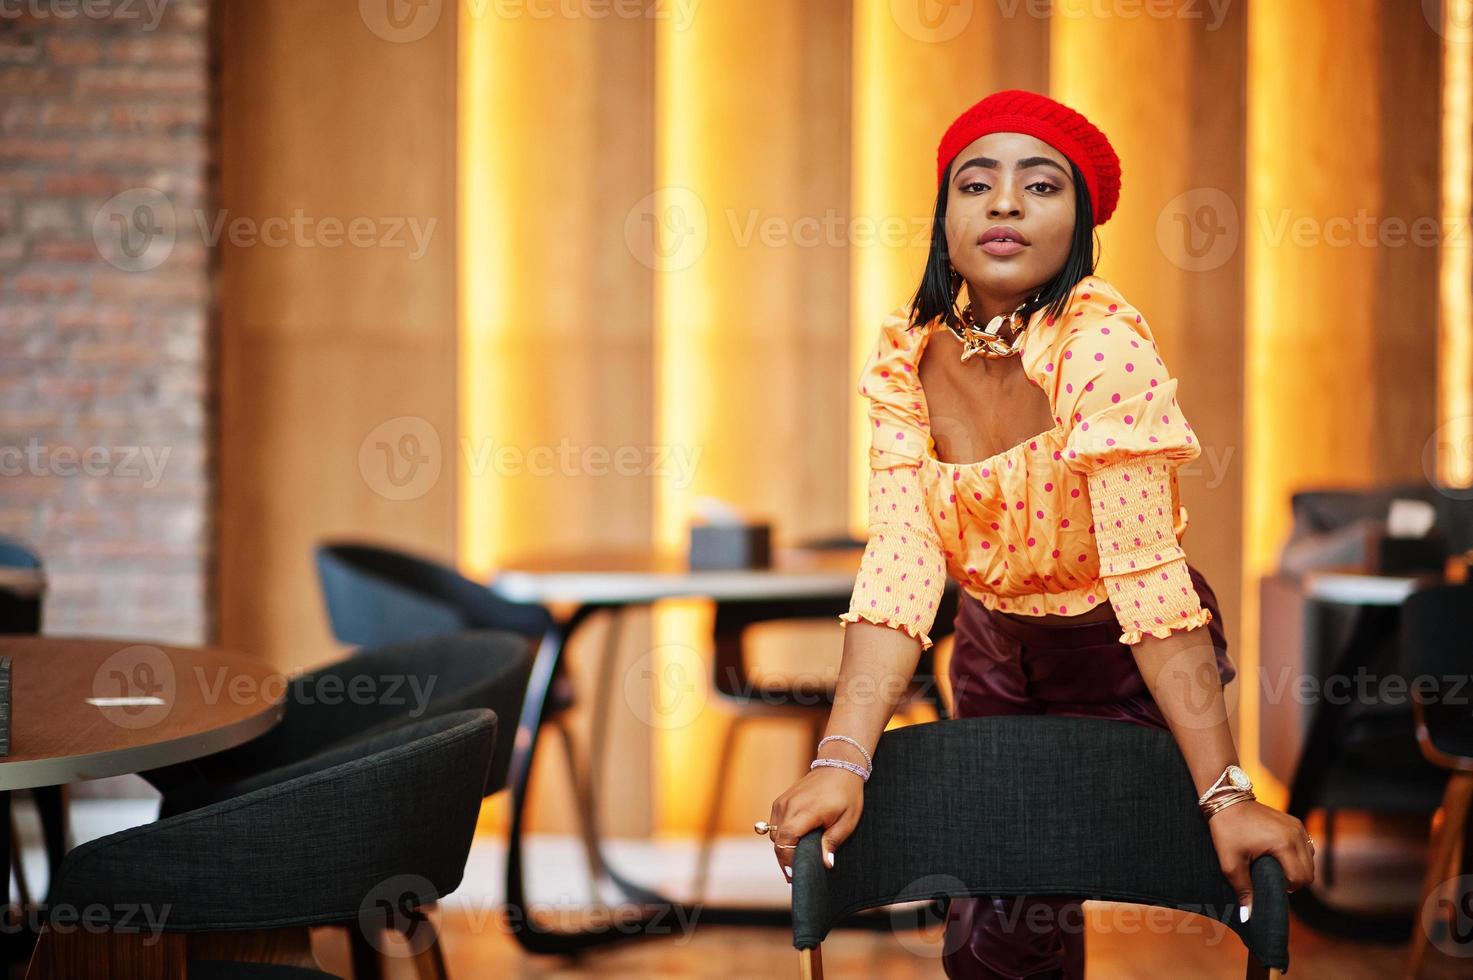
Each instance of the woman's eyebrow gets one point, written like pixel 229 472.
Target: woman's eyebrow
pixel 988 163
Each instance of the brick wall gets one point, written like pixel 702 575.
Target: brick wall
pixel 105 390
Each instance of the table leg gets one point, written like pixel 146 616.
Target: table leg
pixel 546 670
pixel 660 912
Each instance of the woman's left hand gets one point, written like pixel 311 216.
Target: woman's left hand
pixel 1245 830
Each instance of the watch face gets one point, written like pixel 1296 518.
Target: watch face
pixel 1239 778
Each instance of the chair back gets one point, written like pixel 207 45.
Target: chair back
pixel 377 596
pixel 1326 509
pixel 1436 623
pixel 1032 805
pixel 21 593
pixel 380 826
pixel 397 685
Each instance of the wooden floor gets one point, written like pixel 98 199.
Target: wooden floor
pixel 1186 947
pixel 1123 941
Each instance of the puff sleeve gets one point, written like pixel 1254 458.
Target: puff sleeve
pixel 1126 435
pixel 903 572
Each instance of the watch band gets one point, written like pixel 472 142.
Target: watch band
pixel 1226 774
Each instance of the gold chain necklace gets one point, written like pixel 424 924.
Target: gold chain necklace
pixel 987 340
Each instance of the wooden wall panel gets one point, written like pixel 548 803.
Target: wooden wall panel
pixel 1405 328
pixel 325 340
pixel 557 352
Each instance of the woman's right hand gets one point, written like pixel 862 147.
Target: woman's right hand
pixel 826 797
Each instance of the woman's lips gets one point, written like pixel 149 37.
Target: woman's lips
pixel 1000 247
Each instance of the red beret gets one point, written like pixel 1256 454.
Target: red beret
pixel 1019 111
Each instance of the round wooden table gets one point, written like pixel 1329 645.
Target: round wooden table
pixel 84 708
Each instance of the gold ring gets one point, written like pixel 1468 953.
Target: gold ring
pixel 786 847
pixel 1309 840
pixel 763 827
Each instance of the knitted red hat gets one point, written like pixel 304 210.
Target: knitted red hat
pixel 1019 111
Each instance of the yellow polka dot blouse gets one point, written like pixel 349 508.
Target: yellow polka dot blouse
pixel 1087 512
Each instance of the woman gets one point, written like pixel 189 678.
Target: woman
pixel 1031 454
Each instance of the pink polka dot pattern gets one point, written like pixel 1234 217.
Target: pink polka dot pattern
pixel 1141 561
pixel 1085 513
pixel 902 574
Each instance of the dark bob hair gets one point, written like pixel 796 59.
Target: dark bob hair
pixel 939 285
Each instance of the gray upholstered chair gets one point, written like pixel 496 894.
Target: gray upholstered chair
pixel 365 837
pixel 1032 805
pixel 401 682
pixel 377 595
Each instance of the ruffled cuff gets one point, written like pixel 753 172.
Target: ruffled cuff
pixel 901 579
pixel 872 617
pixel 1158 601
pixel 1202 618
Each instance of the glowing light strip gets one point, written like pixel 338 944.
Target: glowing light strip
pixel 870 173
pixel 482 254
pixel 1455 322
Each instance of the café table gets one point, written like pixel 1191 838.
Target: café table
pixel 1297 640
pixel 1328 623
pixel 82 708
pixel 578 586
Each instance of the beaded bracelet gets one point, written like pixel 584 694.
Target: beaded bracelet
pixel 845 738
pixel 853 767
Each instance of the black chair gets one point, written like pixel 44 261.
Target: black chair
pixel 1032 805
pixel 365 838
pixel 398 685
pixel 1436 625
pixel 20 608
pixel 376 596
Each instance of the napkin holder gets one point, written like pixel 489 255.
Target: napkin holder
pixel 1392 555
pixel 727 547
